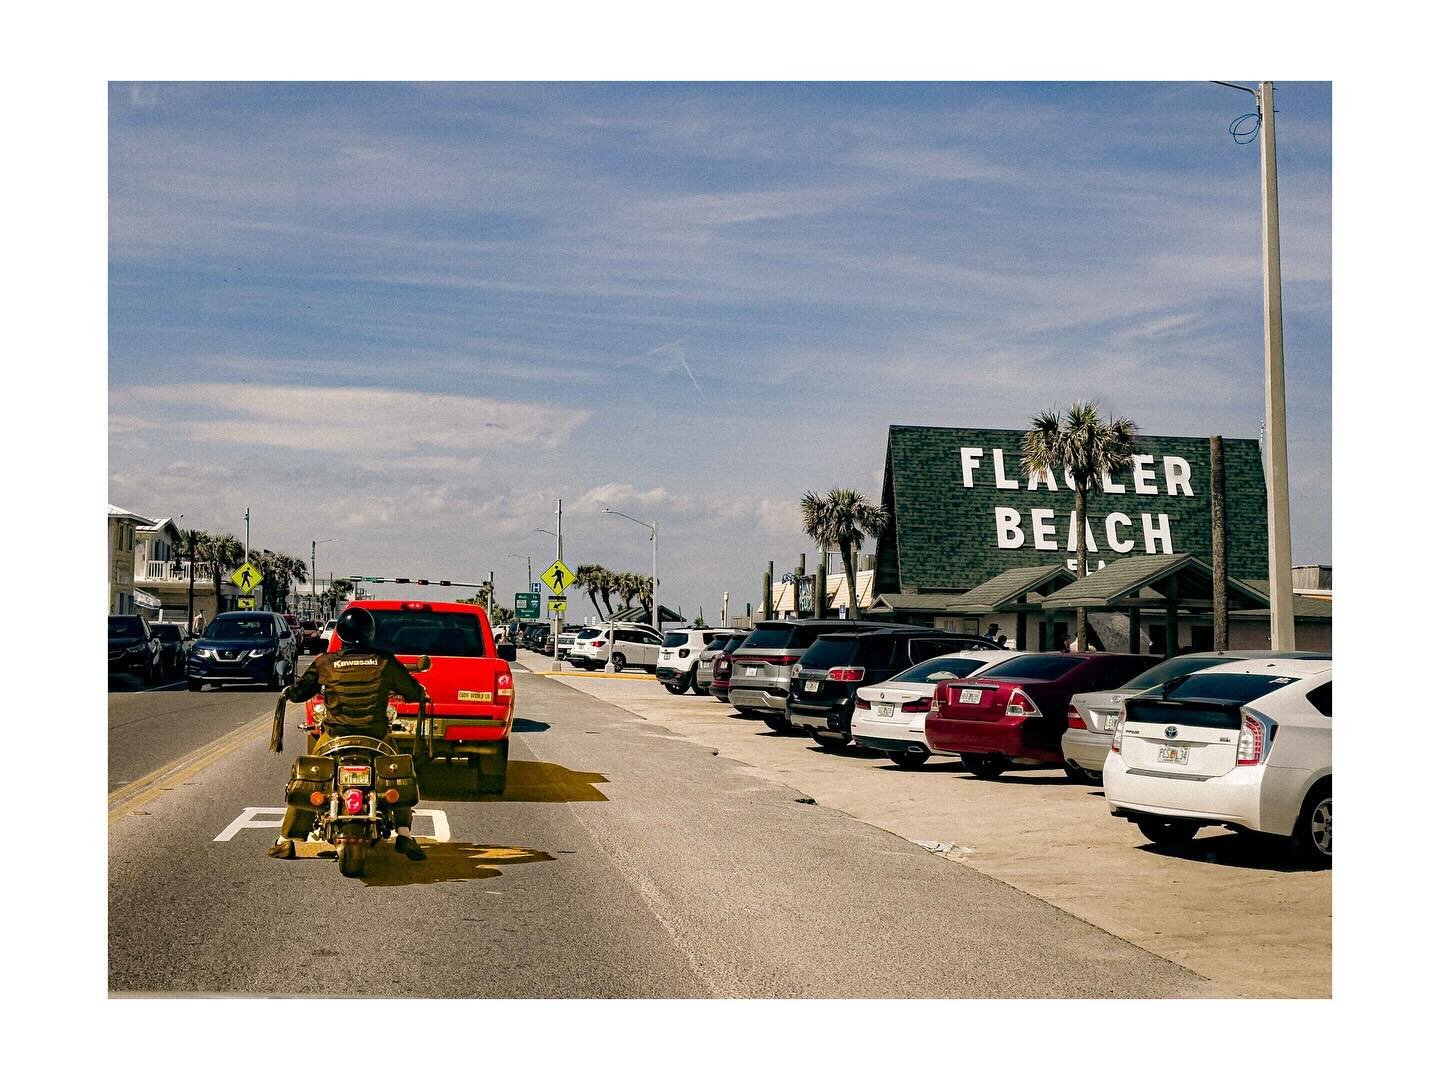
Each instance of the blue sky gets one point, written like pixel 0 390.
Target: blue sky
pixel 410 316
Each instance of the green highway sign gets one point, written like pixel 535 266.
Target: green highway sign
pixel 527 605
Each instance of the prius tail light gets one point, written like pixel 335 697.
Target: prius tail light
pixel 1251 746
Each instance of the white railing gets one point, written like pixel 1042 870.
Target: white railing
pixel 160 570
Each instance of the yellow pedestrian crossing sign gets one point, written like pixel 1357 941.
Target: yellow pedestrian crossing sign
pixel 245 603
pixel 558 576
pixel 246 578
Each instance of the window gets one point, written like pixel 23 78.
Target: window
pixel 1320 698
pixel 944 667
pixel 235 627
pixel 675 638
pixel 1171 669
pixel 828 652
pixel 1035 666
pixel 436 633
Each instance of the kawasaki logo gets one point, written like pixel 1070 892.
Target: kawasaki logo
pixel 371 662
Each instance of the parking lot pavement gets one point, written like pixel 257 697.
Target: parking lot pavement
pixel 1234 908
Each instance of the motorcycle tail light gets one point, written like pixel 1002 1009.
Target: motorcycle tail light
pixel 392 796
pixel 354 801
pixel 317 798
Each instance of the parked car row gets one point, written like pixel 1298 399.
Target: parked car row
pixel 151 651
pixel 1235 739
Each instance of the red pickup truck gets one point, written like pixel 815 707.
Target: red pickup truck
pixel 469 682
pixel 1015 713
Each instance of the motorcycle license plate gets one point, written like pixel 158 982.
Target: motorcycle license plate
pixel 811 685
pixel 1174 755
pixel 355 775
pixel 969 697
pixel 884 710
pixel 752 671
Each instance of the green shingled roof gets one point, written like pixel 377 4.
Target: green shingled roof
pixel 1008 587
pixel 1303 607
pixel 1127 576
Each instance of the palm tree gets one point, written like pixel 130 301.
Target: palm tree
pixel 645 593
pixel 589 576
pixel 1089 449
pixel 843 518
pixel 628 586
pixel 608 582
pixel 336 593
pixel 191 543
pixel 220 553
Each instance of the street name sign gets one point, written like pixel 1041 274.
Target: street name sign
pixel 527 605
pixel 558 576
pixel 246 578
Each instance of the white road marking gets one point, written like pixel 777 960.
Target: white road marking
pixel 251 818
pixel 167 686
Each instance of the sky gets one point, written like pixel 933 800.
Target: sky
pixel 411 316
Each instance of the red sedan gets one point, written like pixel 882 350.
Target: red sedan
pixel 1015 713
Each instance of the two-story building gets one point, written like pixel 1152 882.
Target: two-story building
pixel 163 579
pixel 120 532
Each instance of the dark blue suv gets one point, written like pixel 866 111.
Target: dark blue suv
pixel 243 647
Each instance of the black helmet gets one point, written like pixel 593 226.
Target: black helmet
pixel 355 626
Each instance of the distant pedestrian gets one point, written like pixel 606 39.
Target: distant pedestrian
pixel 197 624
pixel 1068 645
pixel 992 631
pixel 1000 641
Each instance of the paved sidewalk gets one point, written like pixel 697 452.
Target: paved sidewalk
pixel 1234 909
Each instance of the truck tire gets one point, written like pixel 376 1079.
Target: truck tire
pixel 491 770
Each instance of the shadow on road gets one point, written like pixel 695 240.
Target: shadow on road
pixel 1249 851
pixel 522 725
pixel 526 781
pixel 445 862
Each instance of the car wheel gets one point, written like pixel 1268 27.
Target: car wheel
pixel 273 682
pixel 1168 832
pixel 830 740
pixel 1082 776
pixel 194 685
pixel 985 766
pixel 618 661
pixel 1312 836
pixel 779 724
pixel 907 760
pixel 674 689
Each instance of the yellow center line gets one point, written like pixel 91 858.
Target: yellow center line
pixel 139 792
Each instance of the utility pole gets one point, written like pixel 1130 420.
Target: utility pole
pixel 655 575
pixel 1219 553
pixel 490 601
pixel 558 621
pixel 247 534
pixel 1282 597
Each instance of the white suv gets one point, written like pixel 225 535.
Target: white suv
pixel 620 645
pixel 1244 745
pixel 680 657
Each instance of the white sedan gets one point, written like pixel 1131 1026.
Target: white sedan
pixel 1244 745
pixel 890 716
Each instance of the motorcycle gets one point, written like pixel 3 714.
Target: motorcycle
pixel 350 787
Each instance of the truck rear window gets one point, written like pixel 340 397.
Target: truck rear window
pixel 433 633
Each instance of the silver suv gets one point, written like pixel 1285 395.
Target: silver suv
pixel 620 645
pixel 760 672
pixel 681 654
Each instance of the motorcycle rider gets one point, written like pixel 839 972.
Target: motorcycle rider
pixel 357 682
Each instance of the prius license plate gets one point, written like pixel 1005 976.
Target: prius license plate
pixel 1174 755
pixel 811 685
pixel 969 697
pixel 884 710
pixel 752 671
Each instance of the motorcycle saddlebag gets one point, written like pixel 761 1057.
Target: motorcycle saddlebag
pixel 309 774
pixel 397 771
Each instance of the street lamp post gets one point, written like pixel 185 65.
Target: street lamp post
pixel 314 602
pixel 654 563
pixel 1282 597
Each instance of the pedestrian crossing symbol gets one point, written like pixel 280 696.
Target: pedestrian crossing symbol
pixel 558 576
pixel 246 578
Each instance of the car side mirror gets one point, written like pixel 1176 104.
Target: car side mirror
pixel 421 664
pixel 506 651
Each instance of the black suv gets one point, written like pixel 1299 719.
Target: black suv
pixel 823 684
pixel 134 649
pixel 243 647
pixel 760 668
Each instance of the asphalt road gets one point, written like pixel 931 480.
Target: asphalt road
pixel 622 861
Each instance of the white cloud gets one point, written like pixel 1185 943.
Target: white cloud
pixel 340 420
